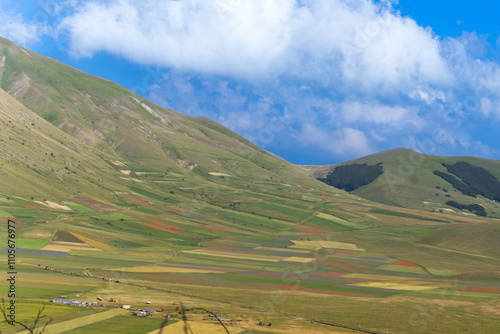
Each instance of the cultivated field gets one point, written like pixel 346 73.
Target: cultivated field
pixel 250 258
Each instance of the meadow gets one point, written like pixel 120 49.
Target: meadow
pixel 272 260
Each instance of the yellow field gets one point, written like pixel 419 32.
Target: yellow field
pixel 38 234
pixel 94 243
pixel 283 250
pixel 53 281
pixel 308 248
pixel 54 205
pixel 327 244
pixel 84 321
pixel 299 259
pixel 67 247
pixel 161 269
pixel 198 327
pixel 234 256
pixel 330 217
pixel 410 286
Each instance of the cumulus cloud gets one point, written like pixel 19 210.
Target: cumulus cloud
pixel 355 48
pixel 223 37
pixel 358 42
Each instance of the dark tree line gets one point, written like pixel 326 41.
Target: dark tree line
pixel 476 208
pixel 478 178
pixel 457 184
pixel 472 180
pixel 351 177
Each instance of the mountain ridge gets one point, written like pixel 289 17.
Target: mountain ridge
pixel 124 126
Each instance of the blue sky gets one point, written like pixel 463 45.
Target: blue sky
pixel 315 82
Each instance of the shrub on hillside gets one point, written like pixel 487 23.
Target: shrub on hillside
pixel 351 177
pixel 476 208
pixel 457 184
pixel 477 178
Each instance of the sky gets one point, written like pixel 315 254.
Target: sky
pixel 315 82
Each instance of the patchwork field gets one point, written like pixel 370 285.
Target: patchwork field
pixel 234 254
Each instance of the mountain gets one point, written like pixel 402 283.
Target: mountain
pixel 418 181
pixel 121 126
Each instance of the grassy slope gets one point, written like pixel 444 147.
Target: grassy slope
pixel 34 150
pixel 116 121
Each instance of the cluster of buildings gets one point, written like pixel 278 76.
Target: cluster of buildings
pixel 147 312
pixel 67 301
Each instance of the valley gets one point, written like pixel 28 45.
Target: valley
pixel 116 201
pixel 314 254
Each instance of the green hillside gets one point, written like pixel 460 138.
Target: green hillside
pixel 412 180
pixel 40 162
pixel 120 125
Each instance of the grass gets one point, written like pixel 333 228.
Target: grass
pixel 336 226
pixel 27 310
pixel 405 215
pixel 79 207
pixel 125 324
pixel 149 194
pixel 31 243
pixel 149 211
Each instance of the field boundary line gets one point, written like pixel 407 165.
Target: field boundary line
pixel 460 252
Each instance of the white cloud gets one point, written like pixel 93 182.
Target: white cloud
pixel 357 112
pixel 490 108
pixel 376 136
pixel 355 42
pixel 427 95
pixel 346 142
pixel 348 49
pixel 14 28
pixel 202 36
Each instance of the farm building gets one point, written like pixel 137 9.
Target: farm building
pixel 73 302
pixel 149 310
pixel 65 301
